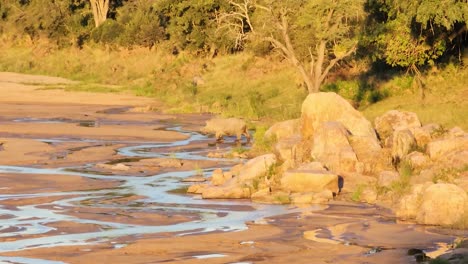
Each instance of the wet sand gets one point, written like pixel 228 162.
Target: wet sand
pixel 89 177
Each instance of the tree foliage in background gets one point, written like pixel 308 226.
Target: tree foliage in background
pixel 137 23
pixel 413 34
pixel 314 35
pixel 63 22
pixel 191 24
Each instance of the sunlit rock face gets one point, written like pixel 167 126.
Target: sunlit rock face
pixel 323 107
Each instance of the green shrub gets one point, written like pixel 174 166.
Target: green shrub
pixel 356 195
pixel 108 32
pixel 261 143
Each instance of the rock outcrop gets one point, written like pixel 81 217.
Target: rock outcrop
pixel 442 204
pixel 283 129
pixel 303 181
pixel 438 148
pixel 333 152
pixel 239 182
pixel 323 107
pixel 425 134
pixel 218 177
pixel 331 147
pixel 394 120
pixel 255 168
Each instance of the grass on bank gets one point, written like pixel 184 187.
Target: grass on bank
pixel 445 101
pixel 236 85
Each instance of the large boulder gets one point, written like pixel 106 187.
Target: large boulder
pixel 438 148
pixel 395 120
pixel 408 206
pixel 417 160
pixel 303 181
pixel 323 107
pixel 256 167
pixel 369 153
pixel 442 204
pixel 331 147
pixel 283 129
pixel 462 181
pixel 425 134
pixel 285 148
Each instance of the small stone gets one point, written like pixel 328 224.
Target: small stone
pixel 120 167
pixel 196 188
pixel 194 179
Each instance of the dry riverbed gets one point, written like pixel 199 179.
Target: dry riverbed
pixel 91 178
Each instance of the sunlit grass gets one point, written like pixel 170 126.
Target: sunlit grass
pixel 445 100
pixel 240 85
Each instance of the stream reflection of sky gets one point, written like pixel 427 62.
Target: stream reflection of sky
pixel 155 190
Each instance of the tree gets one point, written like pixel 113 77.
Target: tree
pixel 236 21
pixel 413 34
pixel 314 35
pixel 191 24
pixel 100 9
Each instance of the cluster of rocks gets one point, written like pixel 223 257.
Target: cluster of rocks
pixel 334 151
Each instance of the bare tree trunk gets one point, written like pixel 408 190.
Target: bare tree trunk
pixel 100 9
pixel 312 73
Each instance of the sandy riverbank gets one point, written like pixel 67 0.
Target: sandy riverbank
pixel 47 131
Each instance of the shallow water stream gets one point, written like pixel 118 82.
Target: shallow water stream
pixel 31 226
pixel 33 220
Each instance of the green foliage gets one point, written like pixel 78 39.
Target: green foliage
pixel 261 143
pixel 191 24
pixel 64 22
pixel 402 186
pixel 439 261
pixel 239 150
pixel 414 33
pixel 444 102
pixel 282 199
pixel 137 23
pixel 108 32
pixel 439 132
pixel 449 175
pixel 255 184
pixel 356 195
pixel 312 35
pixel 272 172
